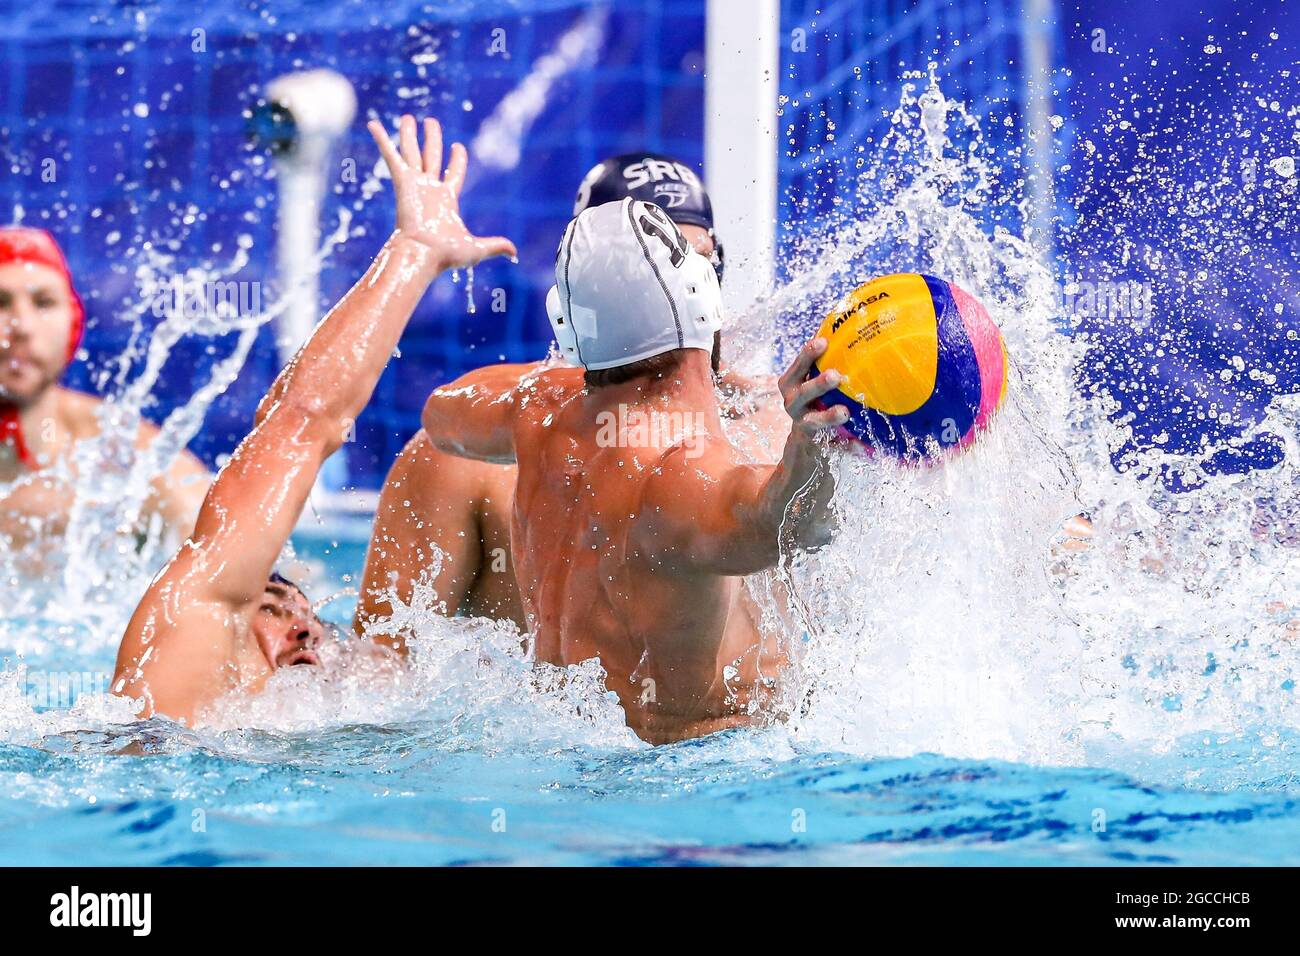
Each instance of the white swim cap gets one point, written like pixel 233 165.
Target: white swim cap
pixel 629 286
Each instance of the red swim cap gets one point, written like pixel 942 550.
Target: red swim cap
pixel 21 244
pixel 11 433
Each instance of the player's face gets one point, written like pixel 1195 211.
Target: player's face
pixel 35 323
pixel 287 630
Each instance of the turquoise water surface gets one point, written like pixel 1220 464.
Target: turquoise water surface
pixel 494 785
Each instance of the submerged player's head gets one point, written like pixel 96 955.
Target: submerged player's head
pixel 668 183
pixel 41 316
pixel 287 629
pixel 631 295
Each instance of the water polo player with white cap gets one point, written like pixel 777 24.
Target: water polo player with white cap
pixel 634 516
pixel 461 507
pixel 629 287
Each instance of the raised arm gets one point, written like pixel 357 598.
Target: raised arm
pixel 221 571
pixel 716 515
pixel 314 402
pixel 474 416
pixel 177 494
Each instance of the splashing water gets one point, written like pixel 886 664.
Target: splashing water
pixel 101 558
pixel 947 618
pixel 932 622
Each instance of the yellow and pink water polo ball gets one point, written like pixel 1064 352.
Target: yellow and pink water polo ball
pixel 924 366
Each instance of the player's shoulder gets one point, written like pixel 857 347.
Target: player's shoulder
pixel 548 387
pixel 688 470
pixel 79 412
pixel 553 376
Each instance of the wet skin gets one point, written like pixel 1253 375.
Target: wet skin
pixel 437 503
pixel 209 624
pixel 635 555
pixel 433 501
pixel 287 629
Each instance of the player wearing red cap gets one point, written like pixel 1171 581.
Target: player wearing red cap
pixel 41 324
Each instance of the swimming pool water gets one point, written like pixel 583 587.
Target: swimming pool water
pixel 467 791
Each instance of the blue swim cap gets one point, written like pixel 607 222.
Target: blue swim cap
pixel 278 578
pixel 655 178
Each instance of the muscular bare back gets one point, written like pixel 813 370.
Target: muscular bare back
pixel 635 518
pixel 679 647
pixel 446 520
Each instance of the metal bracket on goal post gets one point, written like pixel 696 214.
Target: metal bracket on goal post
pixel 740 168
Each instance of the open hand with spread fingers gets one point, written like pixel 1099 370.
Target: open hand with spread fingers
pixel 428 200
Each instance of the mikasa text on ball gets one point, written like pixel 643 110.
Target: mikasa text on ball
pixel 924 368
